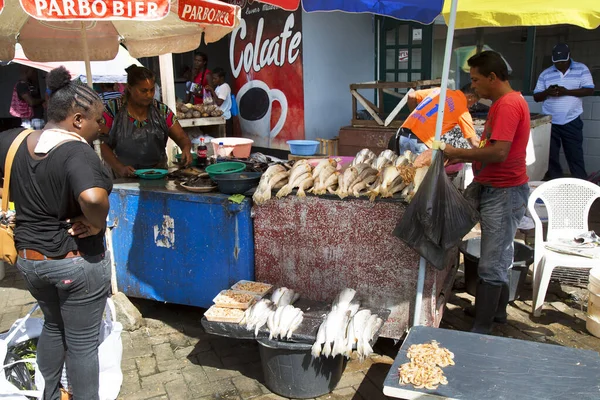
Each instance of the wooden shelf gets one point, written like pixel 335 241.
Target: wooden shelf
pixel 207 121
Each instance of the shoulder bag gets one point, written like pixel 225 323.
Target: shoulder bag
pixel 8 252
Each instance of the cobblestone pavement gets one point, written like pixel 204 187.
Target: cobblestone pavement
pixel 173 358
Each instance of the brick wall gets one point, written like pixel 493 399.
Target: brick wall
pixel 591 131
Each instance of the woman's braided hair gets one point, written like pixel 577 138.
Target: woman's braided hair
pixel 67 96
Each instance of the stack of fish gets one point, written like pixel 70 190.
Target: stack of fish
pixel 367 175
pixel 346 327
pixel 278 313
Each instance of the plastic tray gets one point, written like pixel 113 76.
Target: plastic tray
pixel 218 300
pixel 239 287
pixel 235 317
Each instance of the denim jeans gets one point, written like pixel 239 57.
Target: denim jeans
pixel 72 294
pixel 501 210
pixel 412 144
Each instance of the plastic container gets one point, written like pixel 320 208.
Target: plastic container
pixel 194 159
pixel 225 168
pixel 593 316
pixel 237 183
pixel 236 147
pixel 291 371
pixel 523 258
pixel 303 147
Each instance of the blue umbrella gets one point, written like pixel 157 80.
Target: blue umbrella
pixel 423 11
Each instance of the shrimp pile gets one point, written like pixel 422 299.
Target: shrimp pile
pixel 425 367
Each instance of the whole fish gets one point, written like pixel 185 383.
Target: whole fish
pixel 295 324
pixel 317 347
pixel 307 183
pixel 287 189
pixel 397 185
pixel 264 187
pixel 373 191
pixel 348 176
pixel 389 174
pixel 322 164
pixel 343 299
pixel 326 179
pixel 371 327
pixel 363 184
pixel 319 181
pixel 277 293
pixel 359 323
pixel 363 156
pixel 364 170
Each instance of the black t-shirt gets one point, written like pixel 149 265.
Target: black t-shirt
pixel 26 88
pixel 46 192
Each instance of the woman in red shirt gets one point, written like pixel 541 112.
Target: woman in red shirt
pixel 202 78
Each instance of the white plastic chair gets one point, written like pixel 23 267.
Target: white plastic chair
pixel 568 202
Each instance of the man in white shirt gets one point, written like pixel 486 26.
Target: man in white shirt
pixel 561 88
pixel 221 95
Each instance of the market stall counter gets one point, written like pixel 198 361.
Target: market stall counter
pixel 175 246
pixel 320 245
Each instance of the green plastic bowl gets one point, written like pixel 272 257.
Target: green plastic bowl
pixel 225 168
pixel 151 173
pixel 194 159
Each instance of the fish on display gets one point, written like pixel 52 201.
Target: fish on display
pixel 298 170
pixel 386 158
pixel 344 180
pixel 322 164
pixel 305 184
pixel 363 156
pixel 272 175
pixel 257 315
pixel 364 180
pixel 324 180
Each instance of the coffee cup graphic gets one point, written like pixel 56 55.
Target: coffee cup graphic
pixel 255 102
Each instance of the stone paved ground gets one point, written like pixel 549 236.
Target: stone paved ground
pixel 173 358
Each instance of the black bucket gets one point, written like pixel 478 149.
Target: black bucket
pixel 523 258
pixel 291 371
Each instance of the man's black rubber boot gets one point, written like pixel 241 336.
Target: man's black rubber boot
pixel 501 317
pixel 486 305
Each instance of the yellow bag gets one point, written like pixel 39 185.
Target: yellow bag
pixel 8 252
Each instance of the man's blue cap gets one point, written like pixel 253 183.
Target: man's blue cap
pixel 561 52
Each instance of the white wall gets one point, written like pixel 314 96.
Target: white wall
pixel 338 49
pixel 591 131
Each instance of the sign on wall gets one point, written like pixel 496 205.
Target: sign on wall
pixel 265 53
pixel 150 10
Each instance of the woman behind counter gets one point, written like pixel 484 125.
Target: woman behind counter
pixel 138 127
pixel 60 189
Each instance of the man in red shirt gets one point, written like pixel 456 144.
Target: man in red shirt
pixel 500 183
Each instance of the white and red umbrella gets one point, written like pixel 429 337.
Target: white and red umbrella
pixel 67 30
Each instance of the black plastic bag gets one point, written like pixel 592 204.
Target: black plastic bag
pixel 437 218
